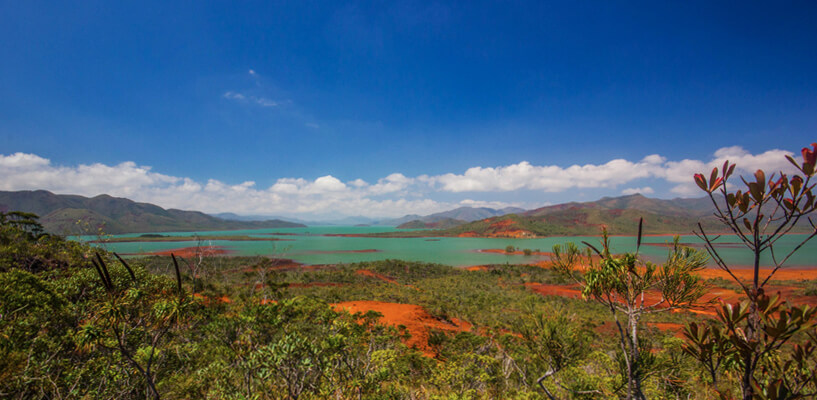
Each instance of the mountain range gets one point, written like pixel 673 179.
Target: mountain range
pixel 620 215
pixel 72 214
pixel 461 214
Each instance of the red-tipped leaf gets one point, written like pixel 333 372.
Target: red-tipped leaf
pixel 701 182
pixel 713 176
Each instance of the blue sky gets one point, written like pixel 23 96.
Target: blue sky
pixel 182 103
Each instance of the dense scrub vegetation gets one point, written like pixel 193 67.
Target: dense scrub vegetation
pixel 261 328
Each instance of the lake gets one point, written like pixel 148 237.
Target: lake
pixel 310 246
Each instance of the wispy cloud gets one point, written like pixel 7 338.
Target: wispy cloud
pixel 261 101
pixel 234 96
pixel 393 195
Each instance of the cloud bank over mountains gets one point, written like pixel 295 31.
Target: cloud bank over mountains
pixel 393 195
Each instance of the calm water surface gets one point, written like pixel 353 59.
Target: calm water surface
pixel 309 246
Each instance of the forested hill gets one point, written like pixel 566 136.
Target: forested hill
pixel 61 213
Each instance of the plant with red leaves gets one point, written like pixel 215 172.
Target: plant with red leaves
pixel 748 335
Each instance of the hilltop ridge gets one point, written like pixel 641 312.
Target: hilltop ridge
pixel 60 213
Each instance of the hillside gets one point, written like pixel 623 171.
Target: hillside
pixel 619 214
pixel 678 207
pixel 60 214
pixel 465 214
pixel 439 224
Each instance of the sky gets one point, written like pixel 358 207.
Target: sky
pixel 381 109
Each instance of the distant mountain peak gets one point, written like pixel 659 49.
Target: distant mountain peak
pixel 463 213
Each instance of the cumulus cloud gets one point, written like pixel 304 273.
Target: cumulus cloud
pixel 323 195
pixel 681 172
pixel 395 182
pixel 641 190
pixel 492 204
pixel 550 178
pixel 392 195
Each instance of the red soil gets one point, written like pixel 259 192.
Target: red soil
pixel 709 301
pixel 206 300
pixel 555 290
pixel 677 329
pixel 503 223
pixel 193 251
pixel 372 274
pixel 468 234
pixel 505 228
pixel 783 274
pixel 417 321
pixel 477 268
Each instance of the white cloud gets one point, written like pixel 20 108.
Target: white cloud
pixel 491 204
pixel 234 96
pixel 261 101
pixel 390 196
pixel 359 183
pixel 395 182
pixel 264 102
pixel 328 183
pixel 681 172
pixel 22 160
pixel 550 178
pixel 641 190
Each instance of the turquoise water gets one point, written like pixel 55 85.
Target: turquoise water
pixel 309 246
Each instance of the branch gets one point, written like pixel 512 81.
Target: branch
pixel 542 385
pixel 779 265
pixel 710 248
pixel 730 218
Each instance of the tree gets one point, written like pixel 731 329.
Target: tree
pixel 26 222
pixel 748 334
pixel 551 341
pixel 135 319
pixel 629 287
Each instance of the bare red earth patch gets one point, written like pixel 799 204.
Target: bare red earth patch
pixel 417 321
pixel 372 274
pixel 676 329
pixel 207 300
pixel 708 303
pixel 194 251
